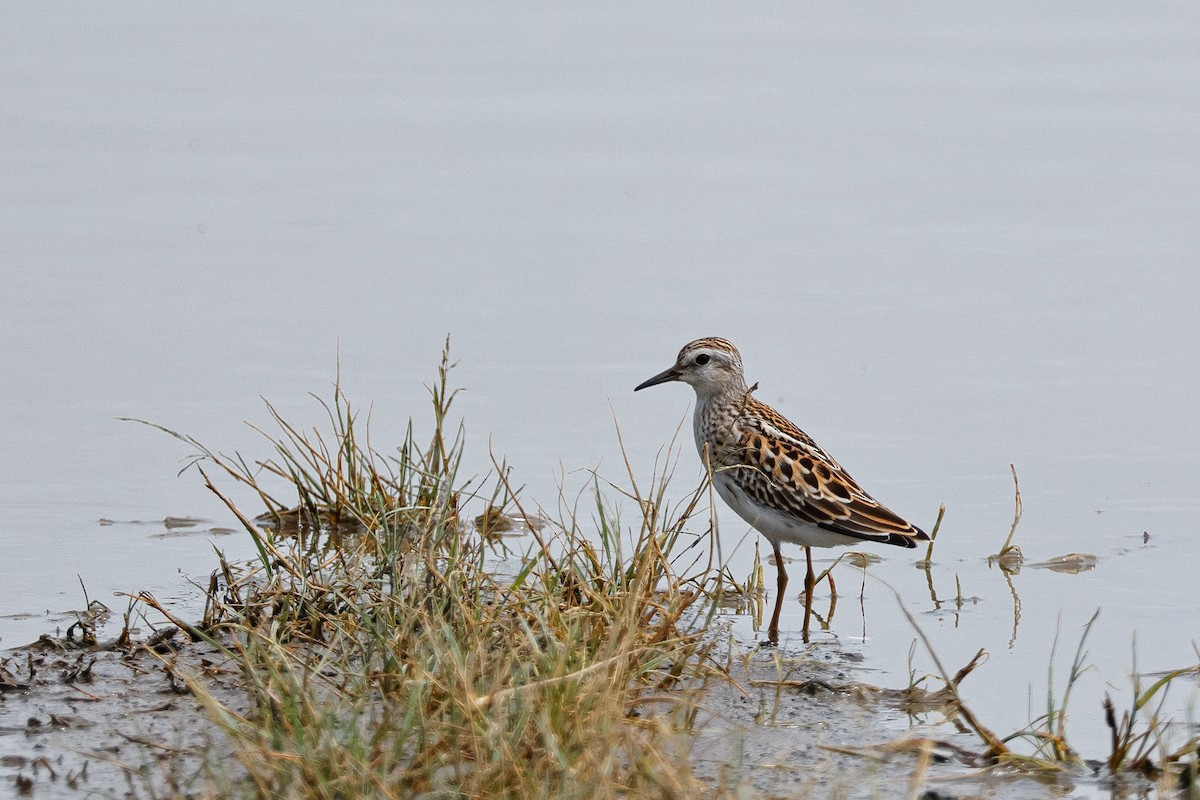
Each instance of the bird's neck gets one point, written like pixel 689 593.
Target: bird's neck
pixel 729 394
pixel 716 411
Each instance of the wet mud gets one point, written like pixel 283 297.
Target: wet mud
pixel 116 719
pixel 112 719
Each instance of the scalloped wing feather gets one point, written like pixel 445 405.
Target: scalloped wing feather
pixel 783 468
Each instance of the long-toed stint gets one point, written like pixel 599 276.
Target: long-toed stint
pixel 772 473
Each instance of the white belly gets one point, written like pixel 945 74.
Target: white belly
pixel 777 526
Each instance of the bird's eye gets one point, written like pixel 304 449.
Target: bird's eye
pixel 703 359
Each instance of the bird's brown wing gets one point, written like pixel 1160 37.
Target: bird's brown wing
pixel 783 468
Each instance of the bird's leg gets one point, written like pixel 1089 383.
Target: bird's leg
pixel 780 586
pixel 810 583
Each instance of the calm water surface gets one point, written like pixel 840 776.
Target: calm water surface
pixel 946 239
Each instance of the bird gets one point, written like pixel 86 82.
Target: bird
pixel 771 473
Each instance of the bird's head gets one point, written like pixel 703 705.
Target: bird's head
pixel 711 366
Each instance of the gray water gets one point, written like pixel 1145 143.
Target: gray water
pixel 945 238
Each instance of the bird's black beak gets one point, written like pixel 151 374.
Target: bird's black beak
pixel 665 376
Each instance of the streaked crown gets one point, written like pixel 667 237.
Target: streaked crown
pixel 711 345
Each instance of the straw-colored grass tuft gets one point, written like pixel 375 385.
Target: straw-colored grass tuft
pixel 385 655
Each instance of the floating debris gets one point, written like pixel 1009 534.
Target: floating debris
pixel 1009 559
pixel 182 522
pixel 862 560
pixel 168 522
pixel 179 534
pixel 1071 562
pixel 494 523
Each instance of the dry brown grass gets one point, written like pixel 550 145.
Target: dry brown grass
pixel 384 656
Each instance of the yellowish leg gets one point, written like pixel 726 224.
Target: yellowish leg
pixel 780 587
pixel 810 583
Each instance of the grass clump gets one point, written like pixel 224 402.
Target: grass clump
pixel 385 655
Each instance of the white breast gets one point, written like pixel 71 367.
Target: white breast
pixel 777 526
